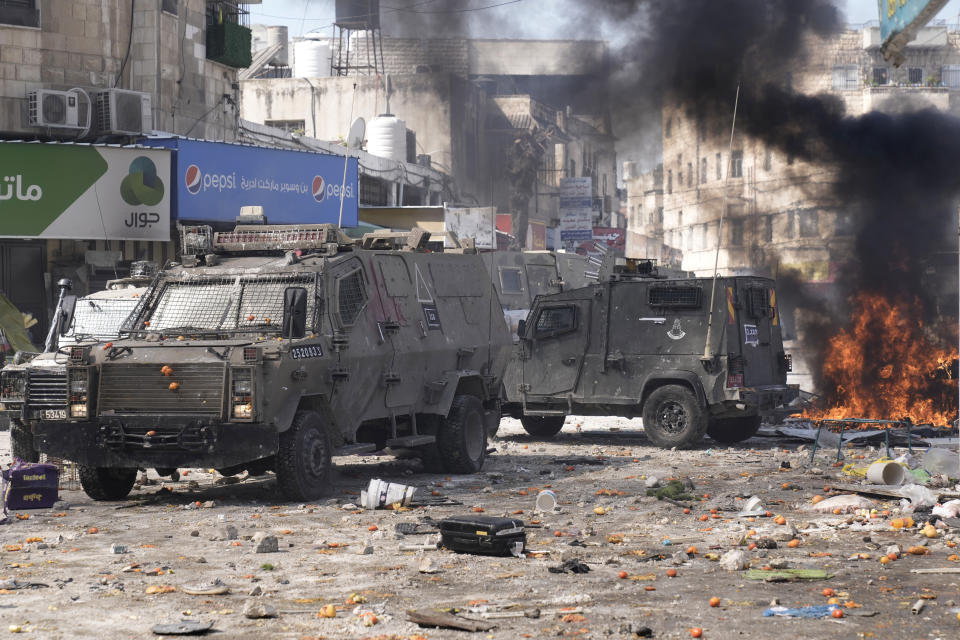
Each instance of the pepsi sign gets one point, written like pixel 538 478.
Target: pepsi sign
pixel 215 179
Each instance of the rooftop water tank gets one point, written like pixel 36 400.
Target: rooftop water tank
pixel 311 59
pixel 278 35
pixel 387 137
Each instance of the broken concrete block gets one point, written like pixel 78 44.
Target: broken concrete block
pixel 255 609
pixel 265 543
pixel 228 532
pixel 734 560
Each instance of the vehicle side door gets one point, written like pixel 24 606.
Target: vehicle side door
pixel 555 340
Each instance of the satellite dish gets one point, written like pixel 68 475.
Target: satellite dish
pixel 357 130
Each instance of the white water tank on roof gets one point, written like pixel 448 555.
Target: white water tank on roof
pixel 387 137
pixel 278 35
pixel 311 59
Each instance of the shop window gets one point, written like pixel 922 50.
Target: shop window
pixel 846 76
pixel 951 75
pixel 351 297
pixel 915 76
pixel 555 320
pixel 736 167
pixel 21 13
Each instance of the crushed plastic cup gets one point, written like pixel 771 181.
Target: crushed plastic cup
pixel 380 494
pixel 546 500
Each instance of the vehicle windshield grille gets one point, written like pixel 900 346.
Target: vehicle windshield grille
pixel 100 319
pixel 674 296
pixel 221 304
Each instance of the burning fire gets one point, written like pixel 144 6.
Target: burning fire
pixel 885 365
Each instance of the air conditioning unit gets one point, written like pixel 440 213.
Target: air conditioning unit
pixel 123 112
pixel 58 109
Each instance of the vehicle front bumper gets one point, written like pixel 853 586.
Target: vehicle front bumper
pixel 155 442
pixel 761 400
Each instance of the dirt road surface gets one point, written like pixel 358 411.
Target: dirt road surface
pixel 178 534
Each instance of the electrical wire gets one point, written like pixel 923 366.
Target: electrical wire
pixel 126 56
pixel 203 117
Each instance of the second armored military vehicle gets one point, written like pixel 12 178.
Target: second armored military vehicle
pixel 276 348
pixel 633 345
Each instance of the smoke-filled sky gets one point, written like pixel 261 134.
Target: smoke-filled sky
pixel 527 18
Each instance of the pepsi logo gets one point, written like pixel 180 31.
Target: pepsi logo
pixel 193 179
pixel 319 190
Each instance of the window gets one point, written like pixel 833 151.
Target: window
pixel 689 174
pixel 788 229
pixel 170 6
pixel 951 75
pixel 915 75
pixel 719 167
pixel 844 224
pixel 668 128
pixel 846 76
pixel 703 170
pixel 758 303
pixel 736 168
pixel 21 13
pixel 351 297
pixel 809 227
pixel 881 75
pixel 736 232
pixel 555 320
pixel 669 180
pixel 510 281
pixel 290 126
pixel 604 179
pixel 572 168
pixel 373 191
pixel 679 178
pixel 768 229
pixel 768 160
pixel 683 296
pixel 680 218
pixel 660 215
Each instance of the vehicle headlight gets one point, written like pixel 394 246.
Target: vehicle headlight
pixel 13 386
pixel 79 380
pixel 242 393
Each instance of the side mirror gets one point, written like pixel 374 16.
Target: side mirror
pixel 67 309
pixel 294 312
pixel 521 328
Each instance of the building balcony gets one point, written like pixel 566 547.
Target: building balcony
pixel 229 43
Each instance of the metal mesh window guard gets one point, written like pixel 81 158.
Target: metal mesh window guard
pixel 350 297
pixel 100 319
pixel 674 297
pixel 556 319
pixel 759 303
pixel 221 303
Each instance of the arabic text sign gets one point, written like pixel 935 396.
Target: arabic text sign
pixel 215 179
pixel 84 192
pixel 897 15
pixel 576 212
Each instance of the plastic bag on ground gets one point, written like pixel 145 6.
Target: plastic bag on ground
pixel 919 496
pixel 949 509
pixel 845 503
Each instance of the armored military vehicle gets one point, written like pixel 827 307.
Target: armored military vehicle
pixel 634 344
pixel 89 320
pixel 272 347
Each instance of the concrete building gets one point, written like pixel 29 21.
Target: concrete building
pixel 109 71
pixel 466 102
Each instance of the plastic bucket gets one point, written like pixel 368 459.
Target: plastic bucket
pixel 887 473
pixel 380 494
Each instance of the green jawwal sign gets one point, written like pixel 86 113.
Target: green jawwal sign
pixel 82 192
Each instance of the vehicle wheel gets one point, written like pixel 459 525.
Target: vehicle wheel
pixel 494 425
pixel 672 417
pixel 730 430
pixel 303 460
pixel 430 454
pixel 543 426
pixel 21 443
pixel 101 483
pixel 462 441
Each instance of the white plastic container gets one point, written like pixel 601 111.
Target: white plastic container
pixel 887 473
pixel 278 35
pixel 387 137
pixel 546 501
pixel 380 494
pixel 311 59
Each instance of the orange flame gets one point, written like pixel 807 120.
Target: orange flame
pixel 887 365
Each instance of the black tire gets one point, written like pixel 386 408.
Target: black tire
pixel 732 430
pixel 543 426
pixel 494 428
pixel 430 454
pixel 303 461
pixel 672 417
pixel 101 483
pixel 462 440
pixel 21 443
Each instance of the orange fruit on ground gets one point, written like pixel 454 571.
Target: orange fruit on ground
pixel 837 613
pixel 815 499
pixel 793 544
pixel 692 550
pixel 622 575
pixel 780 520
pixel 704 518
pixel 372 527
pixel 897 523
pixel 785 485
pixel 714 601
pixel 93 530
pixel 884 560
pixel 697 632
pixel 686 510
pixel 751 546
pixel 671 573
pixel 828 592
pixel 833 601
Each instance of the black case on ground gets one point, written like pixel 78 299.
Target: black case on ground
pixel 481 534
